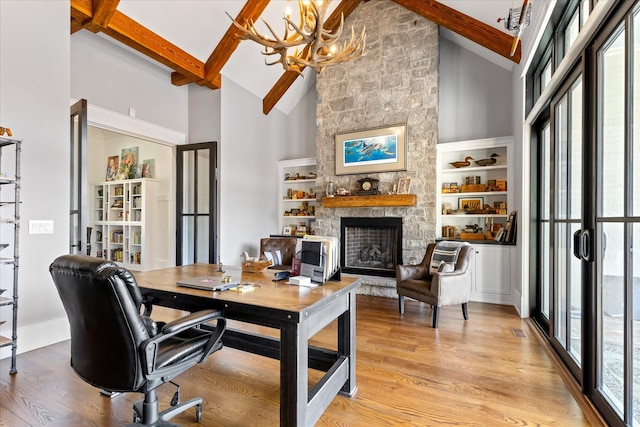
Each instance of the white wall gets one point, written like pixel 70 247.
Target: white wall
pixel 112 77
pixel 103 144
pixel 300 135
pixel 476 96
pixel 34 103
pixel 204 114
pixel 250 146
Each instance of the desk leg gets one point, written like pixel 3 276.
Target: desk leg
pixel 347 343
pixel 294 362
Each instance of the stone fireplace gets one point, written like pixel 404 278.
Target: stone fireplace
pixel 395 82
pixel 370 246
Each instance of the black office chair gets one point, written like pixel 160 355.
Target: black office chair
pixel 117 349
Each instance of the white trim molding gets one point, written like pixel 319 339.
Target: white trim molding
pixel 110 120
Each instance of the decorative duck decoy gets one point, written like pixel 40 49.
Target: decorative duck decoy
pixel 462 164
pixel 489 161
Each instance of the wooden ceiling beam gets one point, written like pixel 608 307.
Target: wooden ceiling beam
pixel 81 11
pixel 131 33
pixel 145 41
pixel 468 27
pixel 285 81
pixel 92 15
pixel 103 10
pixel 228 44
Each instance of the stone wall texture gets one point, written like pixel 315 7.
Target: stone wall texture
pixel 395 82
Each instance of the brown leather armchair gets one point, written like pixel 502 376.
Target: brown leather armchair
pixel 440 288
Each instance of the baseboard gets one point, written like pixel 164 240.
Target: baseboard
pixel 590 411
pixel 39 335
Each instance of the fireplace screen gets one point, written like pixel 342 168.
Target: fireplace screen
pixel 371 246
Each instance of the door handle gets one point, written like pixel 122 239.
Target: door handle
pixel 582 245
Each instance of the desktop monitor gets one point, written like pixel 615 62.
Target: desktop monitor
pixel 312 260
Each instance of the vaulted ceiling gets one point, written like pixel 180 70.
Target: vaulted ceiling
pixel 197 42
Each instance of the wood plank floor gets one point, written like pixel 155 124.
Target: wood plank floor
pixel 488 371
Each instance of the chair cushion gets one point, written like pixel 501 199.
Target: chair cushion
pixel 447 252
pixel 446 267
pixel 274 256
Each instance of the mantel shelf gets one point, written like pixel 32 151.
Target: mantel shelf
pixel 369 201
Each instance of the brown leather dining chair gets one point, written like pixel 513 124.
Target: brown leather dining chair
pixel 442 278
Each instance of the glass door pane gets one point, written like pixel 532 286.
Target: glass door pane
pixel 635 280
pixel 545 218
pixel 613 375
pixel 613 313
pixel 636 113
pixel 567 182
pixel 635 203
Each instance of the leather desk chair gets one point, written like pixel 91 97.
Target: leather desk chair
pixel 439 288
pixel 117 349
pixel 286 246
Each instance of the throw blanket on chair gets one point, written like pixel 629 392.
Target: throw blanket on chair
pixel 444 256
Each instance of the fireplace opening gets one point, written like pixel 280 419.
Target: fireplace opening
pixel 371 246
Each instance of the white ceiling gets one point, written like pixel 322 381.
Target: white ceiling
pixel 197 26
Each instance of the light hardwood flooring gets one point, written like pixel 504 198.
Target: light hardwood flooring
pixel 488 371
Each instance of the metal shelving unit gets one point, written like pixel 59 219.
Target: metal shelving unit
pixel 9 228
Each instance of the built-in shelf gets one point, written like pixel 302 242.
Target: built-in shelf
pixel 369 201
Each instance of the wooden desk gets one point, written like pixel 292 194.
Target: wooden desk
pixel 297 312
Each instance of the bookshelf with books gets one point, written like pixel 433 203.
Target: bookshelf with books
pixel 123 222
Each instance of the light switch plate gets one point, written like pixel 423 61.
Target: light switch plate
pixel 42 226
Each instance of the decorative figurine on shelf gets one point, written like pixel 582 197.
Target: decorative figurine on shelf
pixel 490 161
pixel 462 163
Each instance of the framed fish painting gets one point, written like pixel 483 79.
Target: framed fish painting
pixel 381 149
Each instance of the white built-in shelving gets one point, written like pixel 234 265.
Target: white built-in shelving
pixel 297 193
pixel 492 263
pixel 123 216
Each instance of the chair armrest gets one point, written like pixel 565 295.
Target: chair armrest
pixel 148 307
pixel 451 283
pixel 406 272
pixel 149 348
pixel 190 321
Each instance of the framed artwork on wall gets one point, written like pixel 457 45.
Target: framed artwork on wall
pixel 148 169
pixel 381 149
pixel 112 168
pixel 404 185
pixel 129 163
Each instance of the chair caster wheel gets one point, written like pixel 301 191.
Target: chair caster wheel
pixel 137 418
pixel 198 413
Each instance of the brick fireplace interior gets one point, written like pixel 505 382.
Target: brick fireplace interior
pixel 370 246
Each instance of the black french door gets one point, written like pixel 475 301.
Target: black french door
pixel 196 204
pixel 78 239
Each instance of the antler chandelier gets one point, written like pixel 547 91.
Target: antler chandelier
pixel 318 44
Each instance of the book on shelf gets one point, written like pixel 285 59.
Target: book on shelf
pixel 508 233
